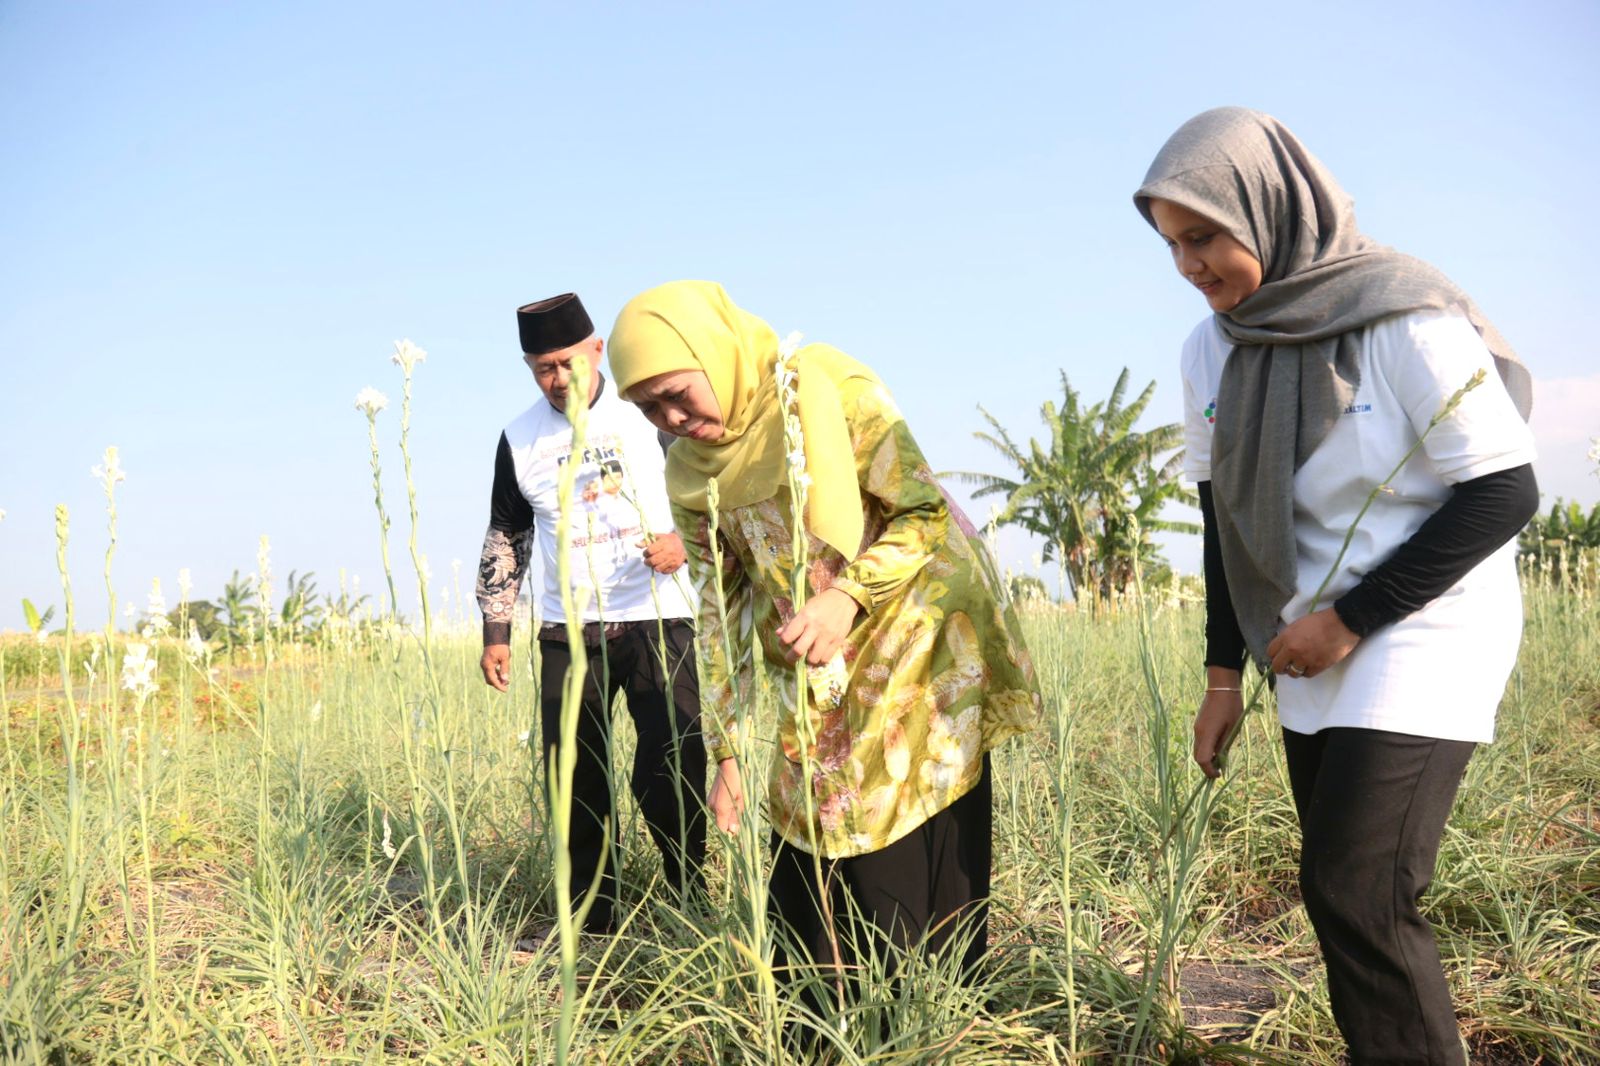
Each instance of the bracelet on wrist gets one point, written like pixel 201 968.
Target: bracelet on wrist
pixel 1221 688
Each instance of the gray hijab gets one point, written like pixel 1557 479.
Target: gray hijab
pixel 1293 367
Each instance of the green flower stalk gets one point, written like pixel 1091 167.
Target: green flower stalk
pixel 138 677
pixel 73 844
pixel 369 401
pixel 786 378
pixel 565 762
pixel 264 594
pixel 406 357
pixel 650 534
pixel 1445 410
pixel 428 715
pixel 109 474
pixel 751 847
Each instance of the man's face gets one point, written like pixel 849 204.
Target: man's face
pixel 553 370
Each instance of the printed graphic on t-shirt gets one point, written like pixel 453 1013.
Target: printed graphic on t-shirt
pixel 599 486
pixel 607 479
pixel 618 492
pixel 601 471
pixel 1211 411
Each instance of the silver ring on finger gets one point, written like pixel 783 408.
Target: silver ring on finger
pixel 1294 670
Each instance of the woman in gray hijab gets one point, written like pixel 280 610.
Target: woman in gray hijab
pixel 1327 360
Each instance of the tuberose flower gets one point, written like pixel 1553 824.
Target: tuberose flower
pixel 110 469
pixel 407 355
pixel 369 401
pixel 138 671
pixel 194 647
pixel 155 608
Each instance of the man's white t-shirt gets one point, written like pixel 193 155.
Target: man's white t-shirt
pixel 1441 671
pixel 620 496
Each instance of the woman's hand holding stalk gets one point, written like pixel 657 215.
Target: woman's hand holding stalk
pixel 819 628
pixel 1219 715
pixel 1312 644
pixel 663 552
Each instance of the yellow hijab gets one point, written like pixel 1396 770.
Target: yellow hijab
pixel 693 325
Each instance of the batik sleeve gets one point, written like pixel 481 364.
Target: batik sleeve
pixel 892 471
pixel 506 549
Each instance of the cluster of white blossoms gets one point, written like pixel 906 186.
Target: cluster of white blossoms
pixel 788 378
pixel 369 401
pixel 185 585
pixel 110 471
pixel 264 576
pixel 407 355
pixel 156 622
pixel 1594 457
pixel 193 646
pixel 138 671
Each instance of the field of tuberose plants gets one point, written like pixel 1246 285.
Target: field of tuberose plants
pixel 335 851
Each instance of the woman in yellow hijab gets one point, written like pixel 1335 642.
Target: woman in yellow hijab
pixel 916 667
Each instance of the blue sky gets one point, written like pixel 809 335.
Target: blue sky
pixel 218 218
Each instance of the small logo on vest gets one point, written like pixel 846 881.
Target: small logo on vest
pixel 1358 409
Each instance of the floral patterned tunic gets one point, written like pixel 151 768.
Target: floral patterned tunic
pixel 934 674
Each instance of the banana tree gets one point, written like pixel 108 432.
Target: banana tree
pixel 1094 490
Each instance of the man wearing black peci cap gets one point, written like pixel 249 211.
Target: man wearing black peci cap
pixel 637 627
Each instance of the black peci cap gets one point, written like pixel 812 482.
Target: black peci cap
pixel 553 324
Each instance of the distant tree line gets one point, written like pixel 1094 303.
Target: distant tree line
pixel 1555 543
pixel 236 618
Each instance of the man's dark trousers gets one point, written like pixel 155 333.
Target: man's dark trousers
pixel 669 764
